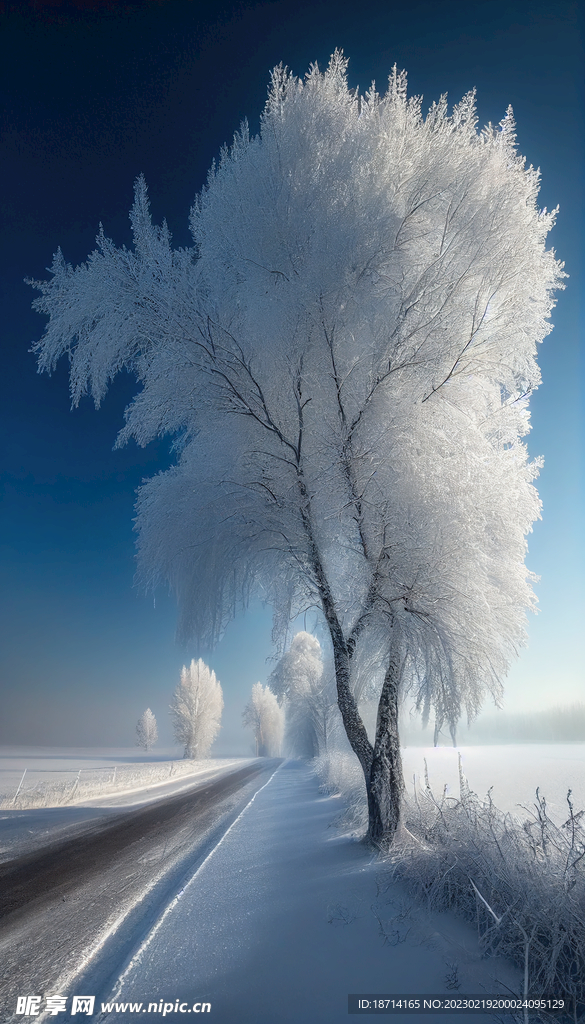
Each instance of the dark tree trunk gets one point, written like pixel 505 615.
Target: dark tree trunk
pixel 354 727
pixel 381 764
pixel 386 784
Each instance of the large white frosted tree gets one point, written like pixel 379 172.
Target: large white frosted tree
pixel 196 709
pixel 346 354
pixel 306 689
pixel 265 717
pixel 146 730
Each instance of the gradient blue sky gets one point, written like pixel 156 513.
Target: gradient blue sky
pixel 95 93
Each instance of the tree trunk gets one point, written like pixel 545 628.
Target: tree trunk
pixel 386 784
pixel 354 727
pixel 382 764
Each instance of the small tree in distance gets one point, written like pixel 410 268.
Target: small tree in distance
pixel 146 730
pixel 196 709
pixel 265 717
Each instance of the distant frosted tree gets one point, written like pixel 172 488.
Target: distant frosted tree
pixel 308 693
pixel 196 709
pixel 146 731
pixel 346 354
pixel 265 717
pixel 437 732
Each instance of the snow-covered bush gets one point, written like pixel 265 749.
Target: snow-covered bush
pixel 146 730
pixel 522 882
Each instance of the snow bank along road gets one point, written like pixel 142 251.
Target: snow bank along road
pixel 85 901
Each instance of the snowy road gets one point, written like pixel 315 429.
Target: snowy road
pixel 85 901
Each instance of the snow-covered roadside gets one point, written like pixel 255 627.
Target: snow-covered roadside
pixel 24 830
pixel 286 917
pixel 53 780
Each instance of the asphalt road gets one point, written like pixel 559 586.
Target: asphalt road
pixel 79 907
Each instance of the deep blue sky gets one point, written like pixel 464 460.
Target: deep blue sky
pixel 94 93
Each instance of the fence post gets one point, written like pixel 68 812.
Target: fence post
pixel 75 784
pixel 19 785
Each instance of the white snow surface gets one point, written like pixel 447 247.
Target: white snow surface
pixel 513 771
pixel 284 919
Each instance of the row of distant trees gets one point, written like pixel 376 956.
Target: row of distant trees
pixel 297 712
pixel 296 707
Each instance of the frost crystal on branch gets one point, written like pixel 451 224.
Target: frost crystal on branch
pixel 346 355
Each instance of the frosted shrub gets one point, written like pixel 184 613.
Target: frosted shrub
pixel 523 883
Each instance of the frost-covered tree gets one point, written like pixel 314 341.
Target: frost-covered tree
pixel 307 689
pixel 265 717
pixel 146 730
pixel 196 709
pixel 346 355
pixel 437 732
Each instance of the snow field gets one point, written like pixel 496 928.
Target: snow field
pixel 512 771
